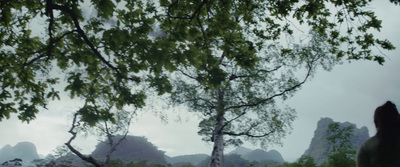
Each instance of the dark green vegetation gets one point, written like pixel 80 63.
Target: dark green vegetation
pixel 229 60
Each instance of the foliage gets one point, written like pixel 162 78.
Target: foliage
pixel 43 163
pixel 43 42
pixel 396 2
pixel 231 56
pixel 14 162
pixel 245 59
pixel 343 154
pixel 303 161
pixel 104 49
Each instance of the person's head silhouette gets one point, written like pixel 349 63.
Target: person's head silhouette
pixel 387 119
pixel 383 149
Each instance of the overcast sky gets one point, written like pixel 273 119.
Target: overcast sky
pixel 350 92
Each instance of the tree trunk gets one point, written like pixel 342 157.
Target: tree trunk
pixel 217 156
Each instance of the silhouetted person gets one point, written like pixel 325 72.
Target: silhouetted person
pixel 383 149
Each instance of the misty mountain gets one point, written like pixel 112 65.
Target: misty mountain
pixel 261 155
pixel 258 155
pixel 181 160
pixel 240 157
pixel 319 146
pixel 22 150
pixel 240 151
pixel 133 148
pixel 230 160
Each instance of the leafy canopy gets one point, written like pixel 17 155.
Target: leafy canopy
pixel 104 50
pixel 244 57
pixel 113 50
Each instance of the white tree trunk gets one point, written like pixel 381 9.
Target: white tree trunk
pixel 217 156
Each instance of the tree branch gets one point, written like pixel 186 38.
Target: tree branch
pixel 310 67
pixel 46 48
pixel 113 147
pixel 196 12
pixel 233 76
pixel 88 159
pixel 248 134
pixel 237 117
pixel 49 12
pixel 88 42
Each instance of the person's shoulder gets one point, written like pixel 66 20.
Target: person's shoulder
pixel 371 143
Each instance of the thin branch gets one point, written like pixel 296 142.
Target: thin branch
pixel 203 32
pixel 46 48
pixel 186 74
pixel 83 35
pixel 222 58
pixel 113 147
pixel 248 134
pixel 49 12
pixel 196 12
pixel 88 42
pixel 310 67
pixel 88 159
pixel 237 117
pixel 233 76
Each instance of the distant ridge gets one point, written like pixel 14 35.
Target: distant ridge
pixel 240 151
pixel 181 160
pixel 132 148
pixel 258 155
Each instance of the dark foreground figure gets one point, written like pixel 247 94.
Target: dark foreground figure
pixel 383 149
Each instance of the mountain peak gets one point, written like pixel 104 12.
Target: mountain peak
pixel 22 150
pixel 257 154
pixel 240 151
pixel 319 146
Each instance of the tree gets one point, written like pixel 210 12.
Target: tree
pixel 14 162
pixel 242 65
pixel 222 46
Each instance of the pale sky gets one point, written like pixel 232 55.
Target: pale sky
pixel 350 92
